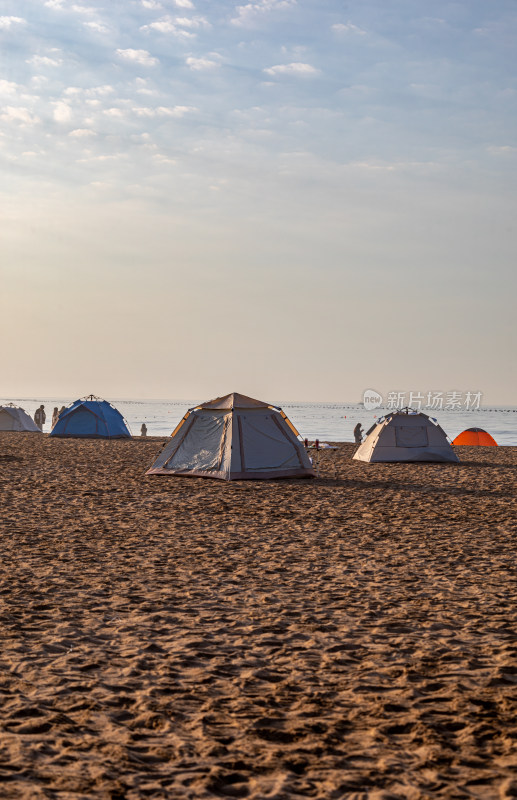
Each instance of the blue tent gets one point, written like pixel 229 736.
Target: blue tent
pixel 91 418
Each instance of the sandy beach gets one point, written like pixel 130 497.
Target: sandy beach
pixel 352 636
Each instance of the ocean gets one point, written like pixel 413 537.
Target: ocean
pixel 325 421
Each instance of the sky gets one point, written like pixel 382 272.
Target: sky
pixel 293 199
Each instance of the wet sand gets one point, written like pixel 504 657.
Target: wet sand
pixel 352 636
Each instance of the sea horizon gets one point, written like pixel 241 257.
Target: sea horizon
pixel 325 420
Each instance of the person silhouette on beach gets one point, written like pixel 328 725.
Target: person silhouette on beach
pixel 40 417
pixel 55 416
pixel 358 433
pixel 143 429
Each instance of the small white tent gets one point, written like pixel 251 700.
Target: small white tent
pixel 13 418
pixel 406 435
pixel 234 438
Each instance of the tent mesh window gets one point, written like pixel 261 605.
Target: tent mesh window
pixel 411 436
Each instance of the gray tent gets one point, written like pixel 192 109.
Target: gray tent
pixel 234 437
pixel 14 418
pixel 406 435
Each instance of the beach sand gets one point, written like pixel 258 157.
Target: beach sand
pixel 352 636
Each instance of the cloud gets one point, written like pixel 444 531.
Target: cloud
pixel 164 111
pixel 7 22
pixel 20 115
pixel 39 81
pixel 164 25
pixel 161 159
pixel 113 112
pixel 93 91
pixel 104 157
pixel 193 22
pixel 62 111
pixel 141 57
pixel 167 25
pixel 96 26
pixel 379 166
pixel 430 21
pixel 82 133
pixel 142 86
pixel 358 89
pixel 297 68
pixel 502 150
pixel 251 13
pixel 83 9
pixel 8 88
pixel 154 5
pixel 348 27
pixel 199 64
pixel 177 25
pixel 44 61
pixel 59 5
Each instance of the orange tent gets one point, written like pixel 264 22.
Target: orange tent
pixel 475 437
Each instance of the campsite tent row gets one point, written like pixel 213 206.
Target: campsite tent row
pixel 230 437
pixel 89 418
pixel 237 437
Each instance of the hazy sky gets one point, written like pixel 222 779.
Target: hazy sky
pixel 294 199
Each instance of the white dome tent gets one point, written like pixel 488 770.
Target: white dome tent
pixel 406 435
pixel 14 418
pixel 234 438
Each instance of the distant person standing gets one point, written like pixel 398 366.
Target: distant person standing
pixel 143 429
pixel 55 416
pixel 40 417
pixel 358 433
